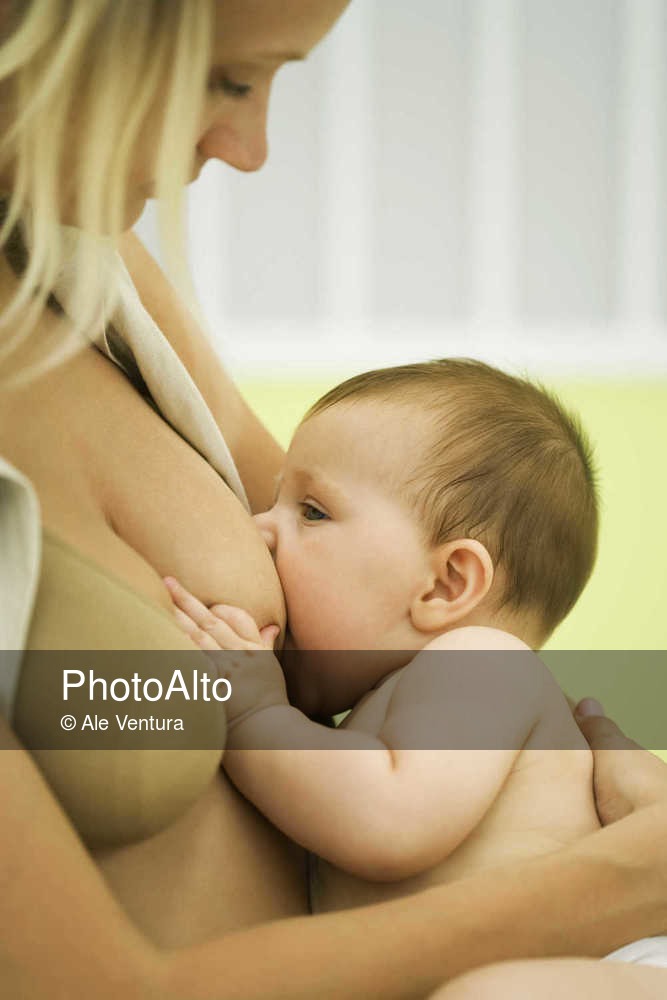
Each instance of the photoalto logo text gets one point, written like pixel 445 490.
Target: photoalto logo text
pixel 203 687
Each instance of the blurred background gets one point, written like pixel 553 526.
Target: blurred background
pixel 484 178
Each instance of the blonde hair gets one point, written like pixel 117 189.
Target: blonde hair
pixel 503 462
pixel 94 69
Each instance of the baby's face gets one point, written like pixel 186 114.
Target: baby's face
pixel 350 556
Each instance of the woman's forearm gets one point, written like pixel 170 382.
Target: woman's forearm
pixel 63 935
pixel 585 900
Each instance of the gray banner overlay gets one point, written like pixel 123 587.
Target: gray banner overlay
pixel 148 700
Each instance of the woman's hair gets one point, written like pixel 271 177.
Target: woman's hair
pixel 503 462
pixel 80 76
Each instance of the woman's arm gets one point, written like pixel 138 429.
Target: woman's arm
pixel 257 455
pixel 63 935
pixel 626 776
pixel 585 900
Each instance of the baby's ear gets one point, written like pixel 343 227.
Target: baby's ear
pixel 462 573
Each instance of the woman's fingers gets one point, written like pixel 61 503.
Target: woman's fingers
pixel 587 707
pixel 603 733
pixel 623 781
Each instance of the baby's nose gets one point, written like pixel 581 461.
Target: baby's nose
pixel 266 525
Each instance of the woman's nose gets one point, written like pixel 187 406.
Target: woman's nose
pixel 267 527
pixel 242 143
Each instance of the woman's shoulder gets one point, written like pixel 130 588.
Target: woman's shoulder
pixel 20 542
pixel 17 491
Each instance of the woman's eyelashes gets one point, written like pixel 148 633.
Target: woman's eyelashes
pixel 311 513
pixel 220 82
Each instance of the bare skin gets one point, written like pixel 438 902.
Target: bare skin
pixel 576 979
pixel 134 921
pixel 401 950
pixel 79 507
pixel 220 829
pixel 117 508
pixel 580 979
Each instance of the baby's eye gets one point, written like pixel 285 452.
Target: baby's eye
pixel 311 513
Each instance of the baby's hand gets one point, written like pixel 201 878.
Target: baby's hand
pixel 219 627
pixel 255 675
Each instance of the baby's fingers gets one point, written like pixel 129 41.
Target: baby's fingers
pixel 197 612
pixel 185 622
pixel 269 634
pixel 201 638
pixel 239 620
pixel 212 628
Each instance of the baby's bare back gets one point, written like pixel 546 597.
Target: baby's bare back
pixel 545 802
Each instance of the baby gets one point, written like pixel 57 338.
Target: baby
pixel 433 523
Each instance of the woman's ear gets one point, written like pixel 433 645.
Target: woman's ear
pixel 462 576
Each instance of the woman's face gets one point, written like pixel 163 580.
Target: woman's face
pixel 252 40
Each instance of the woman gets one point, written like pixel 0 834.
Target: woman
pixel 104 103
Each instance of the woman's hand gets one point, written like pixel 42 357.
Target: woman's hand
pixel 626 776
pixel 240 651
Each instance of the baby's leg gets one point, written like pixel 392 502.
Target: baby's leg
pixel 558 979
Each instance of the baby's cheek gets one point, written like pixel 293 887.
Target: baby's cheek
pixel 316 619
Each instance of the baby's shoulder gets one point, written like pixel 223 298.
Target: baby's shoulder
pixel 478 673
pixel 479 638
pixel 370 711
pixel 481 659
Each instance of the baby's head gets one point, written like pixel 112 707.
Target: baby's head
pixel 422 498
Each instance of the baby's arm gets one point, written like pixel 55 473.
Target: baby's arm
pixel 388 806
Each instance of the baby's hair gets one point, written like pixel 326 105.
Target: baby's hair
pixel 503 462
pixel 92 69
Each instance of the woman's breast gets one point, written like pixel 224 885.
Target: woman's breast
pixel 220 867
pixel 126 502
pixel 187 856
pixel 87 619
pixel 121 486
pixel 167 506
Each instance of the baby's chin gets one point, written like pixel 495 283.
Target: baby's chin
pixel 289 642
pixel 302 686
pixel 302 667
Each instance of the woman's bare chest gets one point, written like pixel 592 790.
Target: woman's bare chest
pixel 119 484
pixel 219 868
